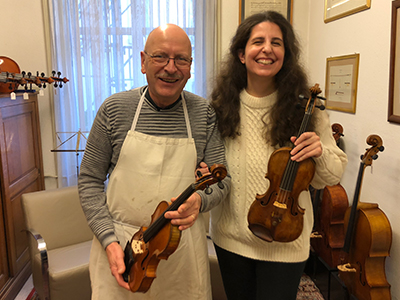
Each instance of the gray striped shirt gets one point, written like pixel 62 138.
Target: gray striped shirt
pixel 109 129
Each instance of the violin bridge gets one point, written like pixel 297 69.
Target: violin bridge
pixel 280 205
pixel 346 268
pixel 137 246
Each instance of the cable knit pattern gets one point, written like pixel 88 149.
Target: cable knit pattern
pixel 247 158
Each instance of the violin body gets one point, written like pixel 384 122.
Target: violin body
pixel 162 246
pixel 330 225
pixel 371 245
pixel 266 214
pixel 277 215
pixel 160 239
pixel 8 65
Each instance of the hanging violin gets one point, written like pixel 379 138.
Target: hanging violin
pixel 277 215
pixel 368 240
pixel 11 77
pixel 161 238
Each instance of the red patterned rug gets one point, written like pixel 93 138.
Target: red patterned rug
pixel 32 295
pixel 308 290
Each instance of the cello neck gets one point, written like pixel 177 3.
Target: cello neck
pixel 353 213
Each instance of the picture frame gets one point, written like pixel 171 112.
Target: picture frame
pixel 249 7
pixel 394 85
pixel 335 9
pixel 341 82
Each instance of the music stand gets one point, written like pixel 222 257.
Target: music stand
pixel 77 149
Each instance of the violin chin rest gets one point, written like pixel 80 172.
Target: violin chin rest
pixel 261 232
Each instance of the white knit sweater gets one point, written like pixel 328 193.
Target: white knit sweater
pixel 247 158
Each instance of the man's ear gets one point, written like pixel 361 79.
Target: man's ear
pixel 142 60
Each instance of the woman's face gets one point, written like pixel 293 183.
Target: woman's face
pixel 264 52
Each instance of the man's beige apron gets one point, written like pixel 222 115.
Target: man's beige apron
pixel 151 169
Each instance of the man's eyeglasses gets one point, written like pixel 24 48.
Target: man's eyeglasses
pixel 163 60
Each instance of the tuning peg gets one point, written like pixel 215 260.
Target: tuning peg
pixel 208 190
pixel 381 148
pixel 375 156
pixel 220 185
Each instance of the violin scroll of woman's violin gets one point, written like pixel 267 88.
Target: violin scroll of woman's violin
pixel 277 215
pixel 161 238
pixel 368 240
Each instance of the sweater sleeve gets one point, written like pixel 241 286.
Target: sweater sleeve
pixel 214 153
pixel 95 166
pixel 331 164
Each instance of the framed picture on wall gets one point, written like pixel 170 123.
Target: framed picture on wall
pixel 394 85
pixel 250 7
pixel 341 82
pixel 335 9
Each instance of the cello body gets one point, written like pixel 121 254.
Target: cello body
pixel 328 236
pixel 371 245
pixel 330 225
pixel 368 240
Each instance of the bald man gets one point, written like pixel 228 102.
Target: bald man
pixel 148 141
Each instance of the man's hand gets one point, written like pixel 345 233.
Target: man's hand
pixel 115 256
pixel 202 169
pixel 307 145
pixel 187 213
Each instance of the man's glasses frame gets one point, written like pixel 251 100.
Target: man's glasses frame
pixel 163 60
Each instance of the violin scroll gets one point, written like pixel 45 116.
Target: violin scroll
pixel 217 173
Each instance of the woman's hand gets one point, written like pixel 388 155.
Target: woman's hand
pixel 307 145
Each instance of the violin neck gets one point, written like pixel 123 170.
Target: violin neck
pixel 289 176
pixel 353 214
pixel 158 224
pixel 290 173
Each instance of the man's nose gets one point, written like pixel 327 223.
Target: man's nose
pixel 170 66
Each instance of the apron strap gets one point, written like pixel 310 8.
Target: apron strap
pixel 185 112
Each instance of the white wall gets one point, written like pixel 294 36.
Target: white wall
pixel 22 39
pixel 367 33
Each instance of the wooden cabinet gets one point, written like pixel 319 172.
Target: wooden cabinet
pixel 21 171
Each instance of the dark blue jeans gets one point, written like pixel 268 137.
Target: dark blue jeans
pixel 249 279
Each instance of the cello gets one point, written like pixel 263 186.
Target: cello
pixel 368 240
pixel 330 205
pixel 277 215
pixel 158 241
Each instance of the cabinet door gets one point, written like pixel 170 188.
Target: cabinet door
pixel 21 171
pixel 4 272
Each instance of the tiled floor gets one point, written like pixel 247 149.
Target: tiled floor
pixel 25 291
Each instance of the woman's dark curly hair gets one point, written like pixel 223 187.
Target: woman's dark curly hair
pixel 290 81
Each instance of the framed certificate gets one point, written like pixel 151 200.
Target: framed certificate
pixel 249 7
pixel 341 82
pixel 394 79
pixel 335 9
